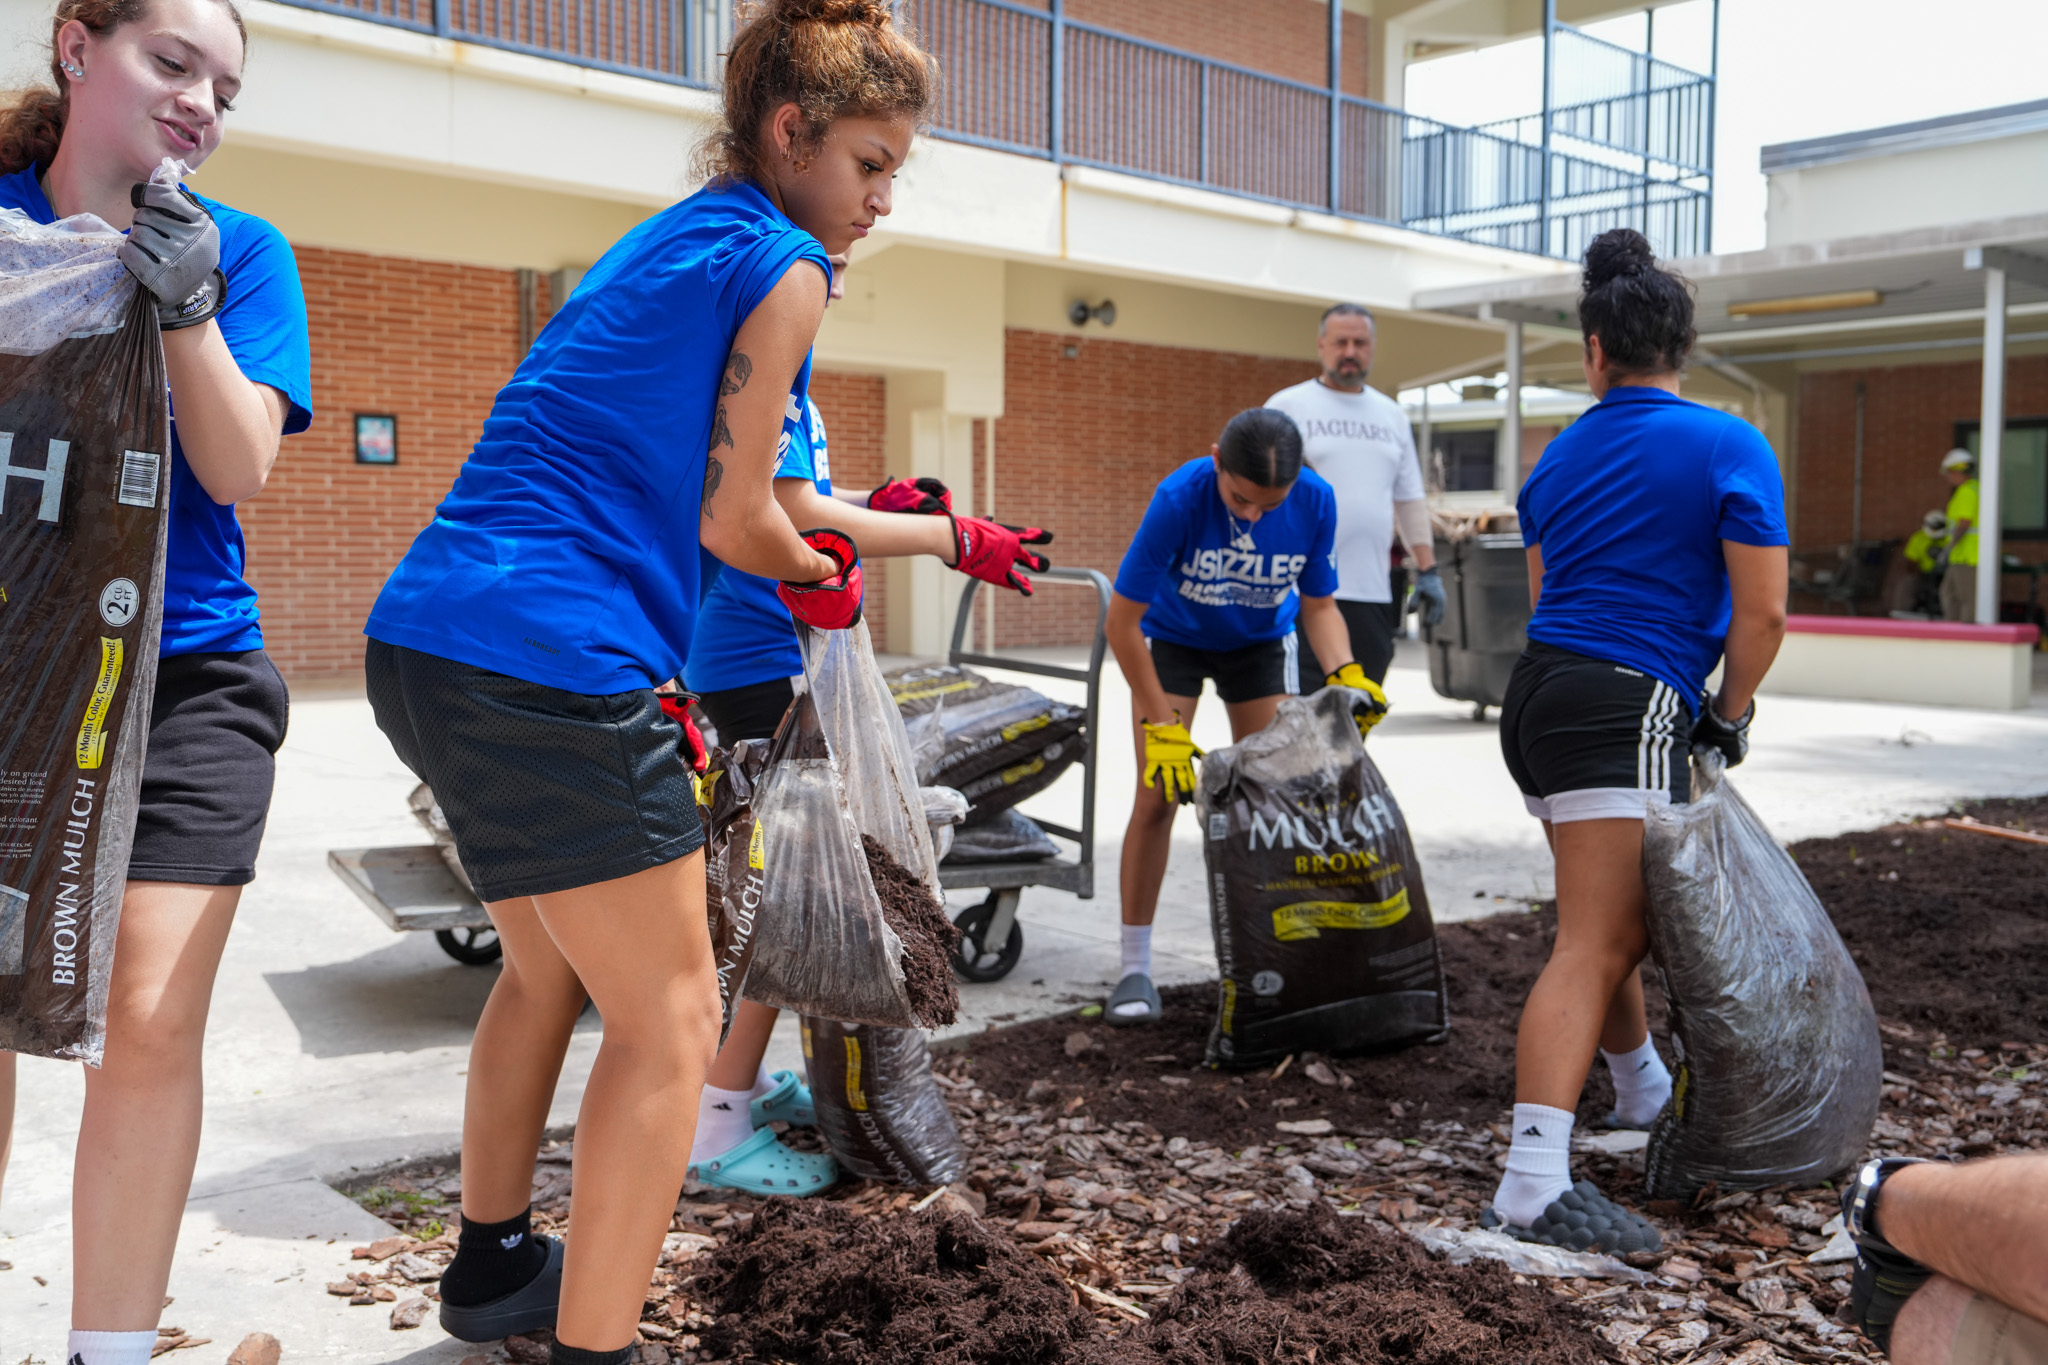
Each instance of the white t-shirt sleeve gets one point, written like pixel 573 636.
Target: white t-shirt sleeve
pixel 1408 485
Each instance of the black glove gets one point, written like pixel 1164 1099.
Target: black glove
pixel 1429 597
pixel 174 252
pixel 1731 737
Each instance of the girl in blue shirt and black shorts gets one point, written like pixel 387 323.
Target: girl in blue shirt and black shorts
pixel 515 651
pixel 1233 548
pixel 134 82
pixel 1655 531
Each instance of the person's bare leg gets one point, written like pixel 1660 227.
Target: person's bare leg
pixel 1926 1327
pixel 1148 839
pixel 1250 717
pixel 738 1064
pixel 6 1115
pixel 1627 1025
pixel 1601 939
pixel 515 1059
pixel 1983 1223
pixel 139 1137
pixel 642 947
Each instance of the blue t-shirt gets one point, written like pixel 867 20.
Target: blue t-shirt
pixel 1630 506
pixel 208 606
pixel 566 554
pixel 1214 582
pixel 744 634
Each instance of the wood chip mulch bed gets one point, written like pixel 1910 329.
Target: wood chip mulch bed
pixel 1126 1204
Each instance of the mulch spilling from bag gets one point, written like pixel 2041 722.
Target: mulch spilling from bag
pixel 929 938
pixel 809 1282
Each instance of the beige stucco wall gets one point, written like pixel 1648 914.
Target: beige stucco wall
pixel 1970 183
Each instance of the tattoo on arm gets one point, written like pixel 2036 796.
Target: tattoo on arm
pixel 714 472
pixel 738 370
pixel 721 431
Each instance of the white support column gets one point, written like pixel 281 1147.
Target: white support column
pixel 924 438
pixel 1990 443
pixel 1507 460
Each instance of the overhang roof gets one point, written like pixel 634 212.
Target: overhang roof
pixel 1928 279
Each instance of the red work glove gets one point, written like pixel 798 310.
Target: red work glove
pixel 993 552
pixel 830 603
pixel 927 496
pixel 676 705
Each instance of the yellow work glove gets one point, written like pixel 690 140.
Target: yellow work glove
pixel 1170 755
pixel 1367 714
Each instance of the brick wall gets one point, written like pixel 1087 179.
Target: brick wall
pixel 1086 437
pixel 1910 413
pixel 1288 38
pixel 431 343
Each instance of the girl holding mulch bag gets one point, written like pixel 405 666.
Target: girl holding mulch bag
pixel 136 82
pixel 515 650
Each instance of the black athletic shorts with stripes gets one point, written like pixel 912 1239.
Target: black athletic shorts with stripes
pixel 1270 669
pixel 1588 739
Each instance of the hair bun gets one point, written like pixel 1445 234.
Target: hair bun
pixel 1617 252
pixel 876 12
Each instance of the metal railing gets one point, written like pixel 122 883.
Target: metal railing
pixel 1626 139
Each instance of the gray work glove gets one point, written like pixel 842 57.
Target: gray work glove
pixel 1429 597
pixel 1731 737
pixel 174 252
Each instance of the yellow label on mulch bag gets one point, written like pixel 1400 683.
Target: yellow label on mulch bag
pixel 1307 919
pixel 856 1099
pixel 92 737
pixel 1025 727
pixel 705 785
pixel 757 855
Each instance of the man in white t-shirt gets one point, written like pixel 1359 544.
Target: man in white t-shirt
pixel 1358 439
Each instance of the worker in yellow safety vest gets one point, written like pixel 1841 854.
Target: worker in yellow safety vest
pixel 1925 545
pixel 1959 582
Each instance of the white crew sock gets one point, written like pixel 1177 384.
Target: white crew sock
pixel 1539 1163
pixel 723 1122
pixel 1641 1084
pixel 763 1082
pixel 110 1348
pixel 1137 947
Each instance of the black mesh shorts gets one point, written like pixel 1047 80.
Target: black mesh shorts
pixel 1588 739
pixel 750 712
pixel 1264 670
pixel 215 727
pixel 544 790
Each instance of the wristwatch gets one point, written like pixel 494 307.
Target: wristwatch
pixel 1885 1276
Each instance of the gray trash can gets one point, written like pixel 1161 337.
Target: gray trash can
pixel 1486 618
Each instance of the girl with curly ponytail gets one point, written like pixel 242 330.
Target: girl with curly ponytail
pixel 135 83
pixel 514 652
pixel 1655 531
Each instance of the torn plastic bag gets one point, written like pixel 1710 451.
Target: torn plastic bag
pixel 839 812
pixel 1323 934
pixel 1779 1060
pixel 734 865
pixel 1009 837
pixel 84 490
pixel 878 1106
pixel 944 808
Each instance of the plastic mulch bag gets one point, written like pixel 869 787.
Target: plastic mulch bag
pixel 735 870
pixel 879 1108
pixel 1780 1063
pixel 1323 934
pixel 996 742
pixel 944 808
pixel 84 434
pixel 849 864
pixel 1008 837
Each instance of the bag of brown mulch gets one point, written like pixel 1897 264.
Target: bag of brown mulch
pixel 852 924
pixel 1779 1060
pixel 1323 934
pixel 996 742
pixel 84 491
pixel 878 1106
pixel 735 864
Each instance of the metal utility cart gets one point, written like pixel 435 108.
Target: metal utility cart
pixel 413 888
pixel 991 939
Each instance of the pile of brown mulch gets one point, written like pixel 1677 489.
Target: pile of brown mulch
pixel 929 938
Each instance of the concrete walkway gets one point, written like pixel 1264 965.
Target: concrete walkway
pixel 336 1045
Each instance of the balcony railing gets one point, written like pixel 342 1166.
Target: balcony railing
pixel 1627 140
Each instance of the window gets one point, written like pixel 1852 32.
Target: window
pixel 1464 459
pixel 2023 494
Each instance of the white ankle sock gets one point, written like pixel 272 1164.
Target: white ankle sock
pixel 1539 1163
pixel 110 1348
pixel 763 1082
pixel 1641 1084
pixel 1137 949
pixel 723 1122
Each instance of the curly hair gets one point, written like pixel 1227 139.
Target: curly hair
pixel 830 58
pixel 1641 312
pixel 32 121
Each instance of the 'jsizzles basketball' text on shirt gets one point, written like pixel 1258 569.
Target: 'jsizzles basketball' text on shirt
pixel 1212 581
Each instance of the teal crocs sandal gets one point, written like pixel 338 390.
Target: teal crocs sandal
pixel 789 1102
pixel 762 1165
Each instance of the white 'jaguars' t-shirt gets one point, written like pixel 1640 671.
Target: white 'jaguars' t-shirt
pixel 1362 446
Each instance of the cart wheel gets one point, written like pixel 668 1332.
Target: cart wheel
pixel 1479 712
pixel 975 959
pixel 472 947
